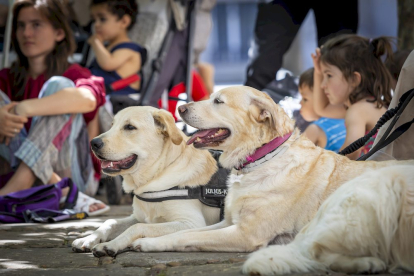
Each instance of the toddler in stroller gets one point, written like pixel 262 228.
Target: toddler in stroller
pixel 120 62
pixel 160 31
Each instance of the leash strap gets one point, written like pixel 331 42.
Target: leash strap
pixel 394 135
pixel 394 112
pixel 385 139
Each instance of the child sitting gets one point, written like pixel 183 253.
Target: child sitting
pixel 324 132
pixel 121 58
pixel 352 82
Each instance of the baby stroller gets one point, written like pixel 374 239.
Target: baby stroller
pixel 165 29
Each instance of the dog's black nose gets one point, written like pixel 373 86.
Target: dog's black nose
pixel 97 143
pixel 182 109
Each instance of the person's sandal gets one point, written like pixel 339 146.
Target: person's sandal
pixel 84 202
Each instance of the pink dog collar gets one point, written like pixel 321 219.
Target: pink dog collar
pixel 265 149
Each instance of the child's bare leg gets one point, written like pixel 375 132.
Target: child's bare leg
pixel 55 179
pixel 22 179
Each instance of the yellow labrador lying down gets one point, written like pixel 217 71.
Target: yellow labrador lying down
pixel 279 178
pixel 149 151
pixel 367 225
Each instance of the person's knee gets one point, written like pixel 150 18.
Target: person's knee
pixel 4 99
pixel 55 84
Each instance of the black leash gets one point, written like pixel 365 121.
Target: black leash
pixel 385 139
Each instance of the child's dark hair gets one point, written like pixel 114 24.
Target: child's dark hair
pixel 121 8
pixel 352 53
pixel 306 78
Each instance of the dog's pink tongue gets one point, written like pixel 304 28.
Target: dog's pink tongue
pixel 201 134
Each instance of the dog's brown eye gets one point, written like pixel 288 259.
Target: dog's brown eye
pixel 129 127
pixel 217 101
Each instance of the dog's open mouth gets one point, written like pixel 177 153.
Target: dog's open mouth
pixel 209 137
pixel 111 166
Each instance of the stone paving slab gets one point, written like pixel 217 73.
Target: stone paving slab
pixel 75 272
pixel 172 259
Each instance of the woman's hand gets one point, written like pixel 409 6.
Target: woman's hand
pixel 10 123
pixel 316 58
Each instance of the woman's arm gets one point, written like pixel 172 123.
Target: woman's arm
pixel 110 61
pixel 93 127
pixel 320 101
pixel 66 101
pixel 10 123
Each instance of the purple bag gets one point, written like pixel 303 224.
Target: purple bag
pixel 13 206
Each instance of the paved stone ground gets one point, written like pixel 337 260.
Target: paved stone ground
pixel 45 249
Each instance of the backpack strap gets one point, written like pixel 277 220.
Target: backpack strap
pixel 72 195
pixel 48 216
pixel 9 217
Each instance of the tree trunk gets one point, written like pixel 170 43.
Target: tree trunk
pixel 405 24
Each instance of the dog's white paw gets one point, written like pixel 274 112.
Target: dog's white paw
pixel 107 249
pixel 359 265
pixel 147 245
pixel 375 266
pixel 85 244
pixel 278 259
pixel 262 263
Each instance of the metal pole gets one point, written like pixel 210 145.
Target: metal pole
pixel 189 81
pixel 7 37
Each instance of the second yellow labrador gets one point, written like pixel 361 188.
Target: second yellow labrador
pixel 145 146
pixel 279 178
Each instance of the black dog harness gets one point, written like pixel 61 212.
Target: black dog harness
pixel 209 195
pixel 212 194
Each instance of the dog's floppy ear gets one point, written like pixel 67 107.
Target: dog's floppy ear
pixel 167 124
pixel 265 110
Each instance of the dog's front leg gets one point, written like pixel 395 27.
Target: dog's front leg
pixel 228 239
pixel 137 231
pixel 215 226
pixel 107 231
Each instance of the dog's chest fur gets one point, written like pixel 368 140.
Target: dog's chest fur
pixel 149 212
pixel 250 191
pixel 274 192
